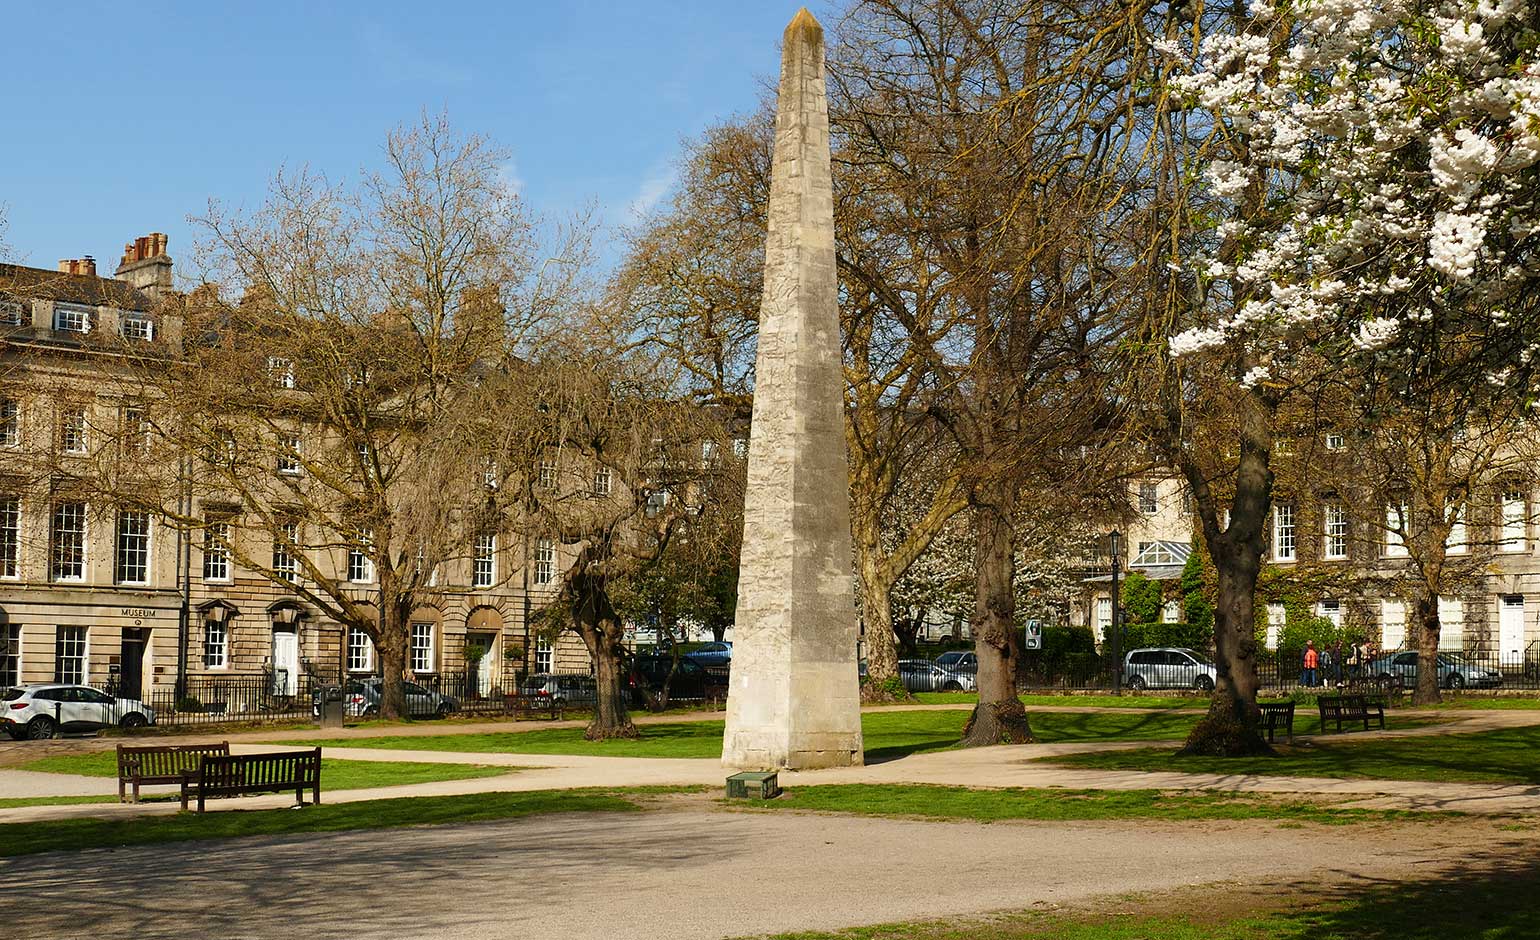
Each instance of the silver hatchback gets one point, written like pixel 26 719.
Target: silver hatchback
pixel 1168 667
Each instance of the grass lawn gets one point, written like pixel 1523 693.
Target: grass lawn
pixel 941 802
pixel 888 734
pixel 1473 904
pixel 12 802
pixel 1087 701
pixel 1508 756
pixel 335 774
pixel 74 834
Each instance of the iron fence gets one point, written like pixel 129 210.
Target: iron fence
pixel 212 700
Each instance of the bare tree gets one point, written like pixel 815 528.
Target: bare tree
pixel 971 126
pixel 330 426
pixel 628 474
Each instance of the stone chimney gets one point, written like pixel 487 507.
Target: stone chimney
pixel 84 266
pixel 146 265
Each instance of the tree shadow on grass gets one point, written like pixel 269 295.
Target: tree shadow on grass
pixel 1054 727
pixel 1490 894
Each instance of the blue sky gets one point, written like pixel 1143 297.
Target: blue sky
pixel 121 119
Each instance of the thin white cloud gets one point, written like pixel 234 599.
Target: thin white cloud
pixel 396 62
pixel 508 176
pixel 652 190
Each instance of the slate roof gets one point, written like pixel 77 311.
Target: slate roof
pixel 25 283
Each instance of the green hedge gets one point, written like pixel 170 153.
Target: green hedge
pixel 1190 635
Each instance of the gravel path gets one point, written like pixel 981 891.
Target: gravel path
pixel 678 874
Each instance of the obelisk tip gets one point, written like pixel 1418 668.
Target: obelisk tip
pixel 804 27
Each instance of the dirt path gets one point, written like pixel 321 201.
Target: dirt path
pixel 684 874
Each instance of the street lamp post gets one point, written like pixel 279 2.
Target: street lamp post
pixel 1117 619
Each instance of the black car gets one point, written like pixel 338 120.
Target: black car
pixel 691 680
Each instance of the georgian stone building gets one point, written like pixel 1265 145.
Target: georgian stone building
pixel 1336 556
pixel 95 594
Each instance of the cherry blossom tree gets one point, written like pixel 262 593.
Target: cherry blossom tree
pixel 1365 205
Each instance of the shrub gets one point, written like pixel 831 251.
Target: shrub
pixel 1188 635
pixel 1141 599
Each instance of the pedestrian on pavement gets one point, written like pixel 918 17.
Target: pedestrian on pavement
pixel 1312 662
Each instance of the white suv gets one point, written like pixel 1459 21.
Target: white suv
pixel 42 711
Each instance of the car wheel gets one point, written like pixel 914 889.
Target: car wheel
pixel 1136 683
pixel 953 686
pixel 442 711
pixel 133 720
pixel 1386 682
pixel 42 728
pixel 1456 681
pixel 1204 684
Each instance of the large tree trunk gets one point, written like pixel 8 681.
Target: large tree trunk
pixel 602 633
pixel 1425 608
pixel 883 683
pixel 391 648
pixel 611 718
pixel 999 717
pixel 1231 727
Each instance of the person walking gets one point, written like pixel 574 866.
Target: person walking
pixel 1312 662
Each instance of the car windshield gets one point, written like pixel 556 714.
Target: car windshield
pixel 1451 659
pixel 945 658
pixel 11 695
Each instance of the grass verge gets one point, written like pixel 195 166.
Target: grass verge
pixel 942 802
pixel 1511 755
pixel 336 774
pixel 53 835
pixel 887 734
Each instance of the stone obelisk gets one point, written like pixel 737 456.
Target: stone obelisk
pixel 794 700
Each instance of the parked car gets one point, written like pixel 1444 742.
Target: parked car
pixel 568 690
pixel 1454 671
pixel 922 675
pixel 712 654
pixel 691 679
pixel 959 661
pixel 42 711
pixel 1168 667
pixel 361 697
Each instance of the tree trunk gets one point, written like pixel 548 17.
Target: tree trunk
pixel 907 629
pixel 611 718
pixel 390 647
pixel 882 683
pixel 1231 727
pixel 1426 692
pixel 999 717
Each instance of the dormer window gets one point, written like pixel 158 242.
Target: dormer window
pixel 13 313
pixel 137 326
pixel 68 318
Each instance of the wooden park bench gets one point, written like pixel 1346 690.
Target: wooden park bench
pixel 1278 716
pixel 161 763
pixel 1350 708
pixel 243 774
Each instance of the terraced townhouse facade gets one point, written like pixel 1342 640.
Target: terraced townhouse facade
pixel 94 594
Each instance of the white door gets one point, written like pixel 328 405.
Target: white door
pixel 1510 631
pixel 285 662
